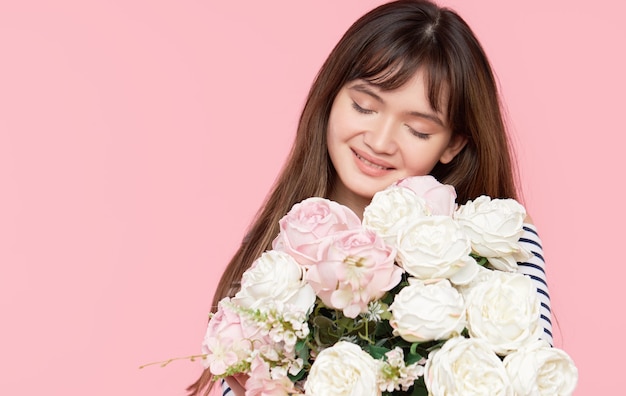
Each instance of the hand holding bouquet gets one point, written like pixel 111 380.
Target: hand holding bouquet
pixel 421 297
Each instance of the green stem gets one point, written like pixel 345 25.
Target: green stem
pixel 164 363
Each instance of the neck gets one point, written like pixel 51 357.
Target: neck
pixel 356 203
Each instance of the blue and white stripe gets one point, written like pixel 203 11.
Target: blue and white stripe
pixel 226 391
pixel 534 268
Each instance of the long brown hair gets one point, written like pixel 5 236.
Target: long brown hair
pixel 386 47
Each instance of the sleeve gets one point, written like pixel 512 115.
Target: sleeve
pixel 226 391
pixel 534 268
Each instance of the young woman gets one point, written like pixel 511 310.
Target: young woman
pixel 407 91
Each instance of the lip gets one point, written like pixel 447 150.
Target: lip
pixel 371 166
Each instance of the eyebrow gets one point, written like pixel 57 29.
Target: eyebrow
pixel 365 88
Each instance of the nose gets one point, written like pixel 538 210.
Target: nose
pixel 380 138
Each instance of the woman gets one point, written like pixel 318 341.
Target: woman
pixel 407 91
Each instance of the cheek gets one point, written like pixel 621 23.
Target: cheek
pixel 337 130
pixel 420 169
pixel 344 124
pixel 331 129
pixel 420 160
pixel 333 144
pixel 331 138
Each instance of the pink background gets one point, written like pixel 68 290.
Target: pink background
pixel 137 139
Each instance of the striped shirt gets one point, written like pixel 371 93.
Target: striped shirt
pixel 534 268
pixel 226 391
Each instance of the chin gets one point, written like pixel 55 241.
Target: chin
pixel 367 194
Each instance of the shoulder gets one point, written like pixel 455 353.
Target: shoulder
pixel 528 219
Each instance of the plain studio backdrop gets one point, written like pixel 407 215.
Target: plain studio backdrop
pixel 138 138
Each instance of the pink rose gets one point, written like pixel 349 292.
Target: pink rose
pixel 308 223
pixel 356 267
pixel 228 339
pixel 261 382
pixel 223 335
pixel 440 198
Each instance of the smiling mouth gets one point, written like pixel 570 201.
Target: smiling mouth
pixel 370 163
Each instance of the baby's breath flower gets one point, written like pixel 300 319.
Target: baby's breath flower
pixel 395 375
pixel 374 311
pixel 278 372
pixel 296 366
pixel 269 353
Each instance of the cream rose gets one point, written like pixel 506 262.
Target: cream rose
pixel 275 278
pixel 425 312
pixel 539 369
pixel 466 366
pixel 495 226
pixel 343 369
pixel 503 309
pixel 434 247
pixel 391 209
pixel 482 274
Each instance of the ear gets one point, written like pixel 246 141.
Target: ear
pixel 456 144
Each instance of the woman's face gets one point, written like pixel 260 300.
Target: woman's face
pixel 377 137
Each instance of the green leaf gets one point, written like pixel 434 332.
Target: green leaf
pixel 302 350
pixel 323 322
pixel 413 349
pixel 383 330
pixel 297 377
pixel 381 342
pixel 377 352
pixel 413 358
pixel 324 331
pixel 301 345
pixel 346 323
pixel 418 391
pixel 419 388
pixel 480 260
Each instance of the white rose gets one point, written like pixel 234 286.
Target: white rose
pixel 343 369
pixel 466 366
pixel 541 370
pixel 425 312
pixel 482 274
pixel 435 247
pixel 390 210
pixel 504 310
pixel 275 278
pixel 494 227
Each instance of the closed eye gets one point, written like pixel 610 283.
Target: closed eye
pixel 420 135
pixel 360 109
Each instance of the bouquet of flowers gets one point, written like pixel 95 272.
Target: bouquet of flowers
pixel 421 297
